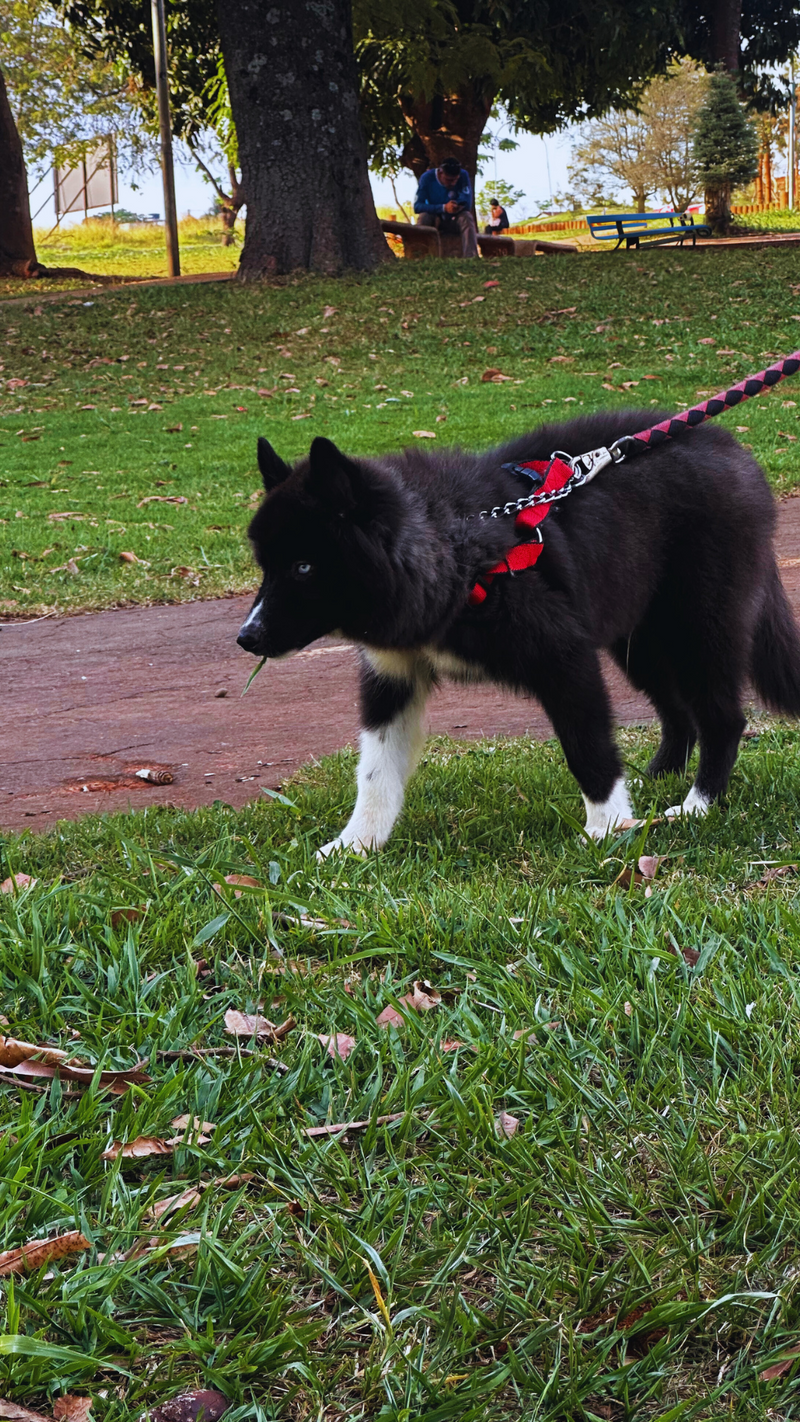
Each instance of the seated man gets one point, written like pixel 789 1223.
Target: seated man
pixel 498 221
pixel 444 200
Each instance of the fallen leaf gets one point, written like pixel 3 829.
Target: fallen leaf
pixel 314 1131
pixel 627 876
pixel 450 1044
pixel 490 374
pixel 245 880
pixel 328 311
pixel 192 1123
pixel 706 341
pixel 422 998
pixel 777 1370
pixel 128 557
pixel 775 871
pixel 37 1252
pixel 338 1044
pixel 70 1408
pixel 139 1149
pixel 244 1024
pixel 627 1009
pixel 423 434
pixel 389 1017
pixel 12 1052
pixel 200 1405
pixel 170 1206
pixel 125 915
pixel 173 429
pixel 17 881
pixel 487 284
pixel 506 1125
pixel 162 499
pixel 14 1413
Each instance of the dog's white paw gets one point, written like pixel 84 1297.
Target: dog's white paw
pixel 602 817
pixel 696 803
pixel 340 845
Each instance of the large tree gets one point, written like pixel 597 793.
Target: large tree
pixel 294 98
pixel 431 70
pixel 17 252
pixel 745 37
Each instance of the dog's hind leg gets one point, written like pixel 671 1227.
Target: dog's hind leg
pixel 645 665
pixel 573 693
pixel 394 690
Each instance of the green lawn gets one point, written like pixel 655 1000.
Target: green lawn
pixel 629 1250
pixel 158 394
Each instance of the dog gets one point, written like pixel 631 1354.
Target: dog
pixel 667 562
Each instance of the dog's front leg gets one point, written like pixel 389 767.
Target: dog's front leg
pixel 394 689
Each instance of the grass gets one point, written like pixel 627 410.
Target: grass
pixel 631 1252
pixel 159 394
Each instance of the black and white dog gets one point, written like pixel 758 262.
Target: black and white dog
pixel 667 562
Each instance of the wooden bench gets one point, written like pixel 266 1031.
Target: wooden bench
pixel 655 229
pixel 429 242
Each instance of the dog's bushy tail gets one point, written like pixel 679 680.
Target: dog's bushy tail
pixel 776 651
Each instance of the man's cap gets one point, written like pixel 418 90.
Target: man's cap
pixel 450 165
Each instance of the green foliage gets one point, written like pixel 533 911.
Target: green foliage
pixel 631 1251
pixel 769 36
pixel 725 142
pixel 214 360
pixel 547 64
pixel 64 100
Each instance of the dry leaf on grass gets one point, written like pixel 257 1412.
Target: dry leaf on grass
pixel 192 1195
pixel 770 875
pixel 17 881
pixel 139 1149
pixel 14 1413
pixel 126 556
pixel 506 1125
pixel 238 882
pixel 777 1370
pixel 389 1017
pixel 30 1066
pixel 162 499
pixel 192 1123
pixel 423 434
pixel 627 1009
pixel 71 1408
pixel 37 1252
pixel 337 1044
pixel 12 1052
pixel 125 915
pixel 252 1024
pixel 315 1131
pixel 200 1405
pixel 422 998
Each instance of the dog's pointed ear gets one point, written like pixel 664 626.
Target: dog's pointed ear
pixel 332 477
pixel 273 469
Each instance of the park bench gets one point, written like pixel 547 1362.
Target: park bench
pixel 428 242
pixel 654 229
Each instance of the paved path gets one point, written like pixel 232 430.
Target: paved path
pixel 92 699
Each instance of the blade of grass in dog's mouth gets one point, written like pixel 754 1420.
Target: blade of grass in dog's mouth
pixel 252 676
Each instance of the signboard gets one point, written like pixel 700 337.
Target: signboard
pixel 90 183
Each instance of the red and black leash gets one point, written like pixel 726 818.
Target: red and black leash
pixel 561 474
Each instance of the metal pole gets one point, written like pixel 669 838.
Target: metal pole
pixel 792 126
pixel 165 129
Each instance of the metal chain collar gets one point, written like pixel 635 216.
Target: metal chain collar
pixel 584 468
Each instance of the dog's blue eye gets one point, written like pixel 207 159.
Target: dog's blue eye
pixel 302 570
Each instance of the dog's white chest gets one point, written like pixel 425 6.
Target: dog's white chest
pixel 405 666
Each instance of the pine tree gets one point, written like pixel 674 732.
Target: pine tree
pixel 725 149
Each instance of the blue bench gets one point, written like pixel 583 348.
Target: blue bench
pixel 654 229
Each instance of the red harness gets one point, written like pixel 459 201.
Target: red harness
pixel 525 555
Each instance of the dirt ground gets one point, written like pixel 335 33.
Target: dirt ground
pixel 91 700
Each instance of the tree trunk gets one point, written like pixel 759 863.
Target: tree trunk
pixel 231 206
pixel 726 26
pixel 292 81
pixel 718 209
pixel 448 125
pixel 17 252
pixel 640 201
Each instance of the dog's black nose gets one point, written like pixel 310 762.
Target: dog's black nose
pixel 248 640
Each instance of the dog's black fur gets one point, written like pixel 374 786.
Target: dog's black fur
pixel 666 561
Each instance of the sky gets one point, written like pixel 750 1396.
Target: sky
pixel 538 167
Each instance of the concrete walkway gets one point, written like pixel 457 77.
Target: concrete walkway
pixel 90 700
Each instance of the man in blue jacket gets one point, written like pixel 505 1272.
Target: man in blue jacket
pixel 444 200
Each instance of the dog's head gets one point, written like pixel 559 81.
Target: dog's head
pixel 322 538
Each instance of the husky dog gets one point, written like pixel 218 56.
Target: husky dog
pixel 667 562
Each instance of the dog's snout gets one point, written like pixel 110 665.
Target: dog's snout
pixel 249 639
